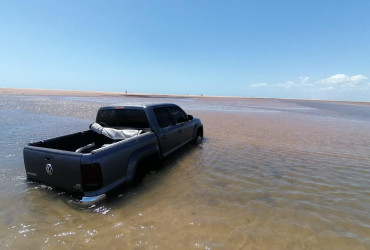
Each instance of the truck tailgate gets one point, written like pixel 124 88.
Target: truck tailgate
pixel 56 168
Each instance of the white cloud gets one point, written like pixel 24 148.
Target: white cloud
pixel 335 87
pixel 344 80
pixel 285 84
pixel 338 80
pixel 259 85
pixel 304 79
pixel 327 89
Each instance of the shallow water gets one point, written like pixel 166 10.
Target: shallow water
pixel 271 174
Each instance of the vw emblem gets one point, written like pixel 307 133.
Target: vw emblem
pixel 49 169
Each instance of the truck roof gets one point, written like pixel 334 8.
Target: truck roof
pixel 137 105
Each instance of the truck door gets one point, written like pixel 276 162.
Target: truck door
pixel 167 134
pixel 183 126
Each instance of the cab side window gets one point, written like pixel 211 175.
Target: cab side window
pixel 178 114
pixel 163 117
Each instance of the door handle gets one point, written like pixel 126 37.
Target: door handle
pixel 180 130
pixel 164 137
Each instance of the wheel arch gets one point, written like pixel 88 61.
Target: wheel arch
pixel 141 156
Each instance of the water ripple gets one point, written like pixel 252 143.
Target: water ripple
pixel 270 175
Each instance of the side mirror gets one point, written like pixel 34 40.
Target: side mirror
pixel 190 117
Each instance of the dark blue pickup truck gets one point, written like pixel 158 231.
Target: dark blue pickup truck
pixel 115 150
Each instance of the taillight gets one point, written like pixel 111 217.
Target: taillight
pixel 91 176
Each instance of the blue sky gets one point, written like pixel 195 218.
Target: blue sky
pixel 284 49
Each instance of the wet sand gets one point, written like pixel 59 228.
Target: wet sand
pixel 52 92
pixel 83 93
pixel 270 174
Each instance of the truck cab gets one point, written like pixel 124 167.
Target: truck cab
pixel 173 127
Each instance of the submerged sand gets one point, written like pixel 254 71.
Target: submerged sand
pixel 270 174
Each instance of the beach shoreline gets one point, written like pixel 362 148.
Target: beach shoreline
pixel 88 93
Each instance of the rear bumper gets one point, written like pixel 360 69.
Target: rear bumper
pixel 91 200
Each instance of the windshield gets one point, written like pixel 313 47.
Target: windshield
pixel 129 118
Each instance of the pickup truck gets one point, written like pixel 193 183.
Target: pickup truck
pixel 117 149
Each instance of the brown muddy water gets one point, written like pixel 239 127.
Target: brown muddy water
pixel 270 174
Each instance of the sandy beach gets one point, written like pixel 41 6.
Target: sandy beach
pixel 84 93
pixel 52 92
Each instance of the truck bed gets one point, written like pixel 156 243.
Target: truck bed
pixel 73 142
pixel 60 162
